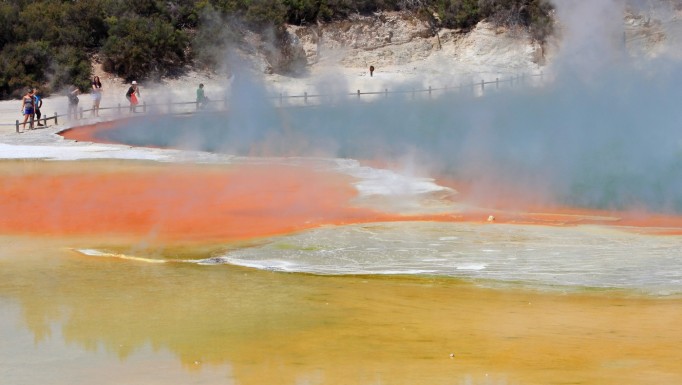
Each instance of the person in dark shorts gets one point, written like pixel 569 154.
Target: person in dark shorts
pixel 37 104
pixel 28 107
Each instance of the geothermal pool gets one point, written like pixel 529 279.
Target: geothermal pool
pixel 147 271
pixel 350 244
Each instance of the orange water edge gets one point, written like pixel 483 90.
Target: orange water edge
pixel 173 202
pixel 283 329
pixel 209 203
pixel 276 199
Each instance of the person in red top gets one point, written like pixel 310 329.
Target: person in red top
pixel 132 95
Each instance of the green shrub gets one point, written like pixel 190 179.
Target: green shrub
pixel 23 65
pixel 8 16
pixel 210 42
pixel 534 14
pixel 138 47
pixel 458 13
pixel 71 66
pixel 50 42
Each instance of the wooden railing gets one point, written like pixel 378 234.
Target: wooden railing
pixel 181 108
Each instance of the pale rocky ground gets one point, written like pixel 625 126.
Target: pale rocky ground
pixel 338 55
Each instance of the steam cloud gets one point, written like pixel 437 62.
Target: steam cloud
pixel 605 133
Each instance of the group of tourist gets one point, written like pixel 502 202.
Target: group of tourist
pixel 32 101
pixel 132 95
pixel 95 93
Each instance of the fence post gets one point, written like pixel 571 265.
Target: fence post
pixel 482 85
pixel 144 106
pixel 80 112
pixel 497 82
pixel 358 94
pixel 386 92
pixel 305 97
pixel 31 124
pixel 17 126
pixel 119 108
pixel 44 120
pixel 55 119
pixel 429 91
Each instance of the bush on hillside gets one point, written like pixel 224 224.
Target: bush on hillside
pixel 138 47
pixel 50 42
pixel 70 66
pixel 462 14
pixel 534 14
pixel 209 43
pixel 23 65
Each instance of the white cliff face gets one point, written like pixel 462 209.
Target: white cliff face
pixel 400 39
pixel 405 52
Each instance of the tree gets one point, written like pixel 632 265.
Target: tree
pixel 137 47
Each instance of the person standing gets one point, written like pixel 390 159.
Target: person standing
pixel 132 95
pixel 28 107
pixel 37 104
pixel 73 102
pixel 96 95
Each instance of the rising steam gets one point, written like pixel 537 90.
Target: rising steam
pixel 605 133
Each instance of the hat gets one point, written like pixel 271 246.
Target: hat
pixel 134 82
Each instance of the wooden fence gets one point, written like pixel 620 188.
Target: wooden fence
pixel 281 100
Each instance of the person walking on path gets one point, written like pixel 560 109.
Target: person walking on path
pixel 72 95
pixel 132 95
pixel 201 98
pixel 28 107
pixel 96 95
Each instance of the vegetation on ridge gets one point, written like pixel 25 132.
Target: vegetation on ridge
pixel 50 43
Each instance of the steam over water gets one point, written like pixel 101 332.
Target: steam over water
pixel 176 267
pixel 602 132
pixel 612 142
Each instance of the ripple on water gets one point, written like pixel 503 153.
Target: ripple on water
pixel 582 256
pixel 585 256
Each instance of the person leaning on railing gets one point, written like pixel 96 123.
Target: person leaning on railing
pixel 72 95
pixel 37 104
